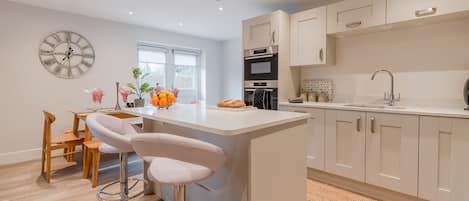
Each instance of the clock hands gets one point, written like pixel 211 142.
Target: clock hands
pixel 68 54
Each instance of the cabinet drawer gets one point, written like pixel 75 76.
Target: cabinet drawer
pixel 355 14
pixel 404 10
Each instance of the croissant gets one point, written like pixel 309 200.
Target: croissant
pixel 229 103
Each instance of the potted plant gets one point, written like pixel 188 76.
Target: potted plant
pixel 139 88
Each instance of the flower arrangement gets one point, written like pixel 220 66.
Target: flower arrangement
pixel 96 95
pixel 124 92
pixel 139 88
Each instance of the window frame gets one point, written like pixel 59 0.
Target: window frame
pixel 170 66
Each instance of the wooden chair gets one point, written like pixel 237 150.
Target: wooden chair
pixel 91 153
pixel 66 141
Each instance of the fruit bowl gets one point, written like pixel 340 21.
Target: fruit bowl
pixel 163 99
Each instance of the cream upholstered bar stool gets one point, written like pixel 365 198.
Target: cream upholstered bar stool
pixel 177 160
pixel 115 134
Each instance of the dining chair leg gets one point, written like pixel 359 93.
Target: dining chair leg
pixel 70 156
pixel 96 157
pixel 43 160
pixel 48 158
pixel 86 163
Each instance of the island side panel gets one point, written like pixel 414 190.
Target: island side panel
pixel 278 164
pixel 229 183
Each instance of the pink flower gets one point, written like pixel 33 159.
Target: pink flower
pixel 96 95
pixel 175 92
pixel 124 93
pixel 158 88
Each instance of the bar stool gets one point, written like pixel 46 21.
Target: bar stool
pixel 178 161
pixel 115 135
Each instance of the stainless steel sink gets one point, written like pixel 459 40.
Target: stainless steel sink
pixel 375 106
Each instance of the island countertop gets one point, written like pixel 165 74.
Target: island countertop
pixel 217 121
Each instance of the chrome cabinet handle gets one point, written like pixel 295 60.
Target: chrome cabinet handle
pixel 372 124
pixel 321 54
pixel 425 12
pixel 359 124
pixel 273 37
pixel 353 24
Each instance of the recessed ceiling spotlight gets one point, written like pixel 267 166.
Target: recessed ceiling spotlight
pixel 220 5
pixel 131 12
pixel 181 24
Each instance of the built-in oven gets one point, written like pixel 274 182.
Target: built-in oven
pixel 261 63
pixel 261 94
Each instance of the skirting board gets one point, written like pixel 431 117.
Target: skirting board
pixel 20 156
pixel 25 155
pixel 359 187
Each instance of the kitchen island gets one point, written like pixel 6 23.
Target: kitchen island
pixel 265 151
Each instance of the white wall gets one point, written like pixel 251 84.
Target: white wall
pixel 430 62
pixel 27 87
pixel 232 69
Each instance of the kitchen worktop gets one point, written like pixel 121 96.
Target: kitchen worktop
pixel 411 110
pixel 217 121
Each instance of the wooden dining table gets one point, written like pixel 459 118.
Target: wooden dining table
pixel 79 116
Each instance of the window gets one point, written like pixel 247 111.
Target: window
pixel 172 67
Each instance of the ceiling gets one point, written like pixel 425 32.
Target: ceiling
pixel 194 17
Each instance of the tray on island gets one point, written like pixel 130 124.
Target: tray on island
pixel 241 109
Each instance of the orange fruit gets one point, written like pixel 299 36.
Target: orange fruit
pixel 163 103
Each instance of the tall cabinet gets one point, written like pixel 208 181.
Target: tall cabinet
pixel 309 42
pixel 262 31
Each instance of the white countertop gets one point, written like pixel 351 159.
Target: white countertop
pixel 222 122
pixel 424 111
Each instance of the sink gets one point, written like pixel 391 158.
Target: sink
pixel 374 106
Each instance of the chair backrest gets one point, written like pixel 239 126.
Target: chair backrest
pixel 111 130
pixel 179 148
pixel 49 118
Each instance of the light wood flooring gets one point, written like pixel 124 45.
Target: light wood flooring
pixel 23 182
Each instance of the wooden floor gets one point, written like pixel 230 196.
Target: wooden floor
pixel 23 182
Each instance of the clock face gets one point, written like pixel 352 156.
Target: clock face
pixel 66 54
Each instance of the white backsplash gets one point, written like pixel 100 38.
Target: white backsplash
pixel 430 64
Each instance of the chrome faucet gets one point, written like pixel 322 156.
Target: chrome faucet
pixel 392 98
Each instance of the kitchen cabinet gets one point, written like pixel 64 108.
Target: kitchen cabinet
pixel 345 144
pixel 392 143
pixel 309 42
pixel 355 14
pixel 443 159
pixel 404 10
pixel 315 127
pixel 262 31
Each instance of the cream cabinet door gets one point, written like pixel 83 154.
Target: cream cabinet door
pixel 315 126
pixel 355 14
pixel 392 143
pixel 308 37
pixel 261 31
pixel 403 10
pixel 345 144
pixel 444 159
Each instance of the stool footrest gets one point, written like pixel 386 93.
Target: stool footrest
pixel 102 192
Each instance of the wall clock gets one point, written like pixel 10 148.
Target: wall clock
pixel 66 54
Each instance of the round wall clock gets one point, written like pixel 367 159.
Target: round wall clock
pixel 66 54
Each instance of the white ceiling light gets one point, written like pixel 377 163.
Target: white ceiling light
pixel 181 24
pixel 220 5
pixel 131 12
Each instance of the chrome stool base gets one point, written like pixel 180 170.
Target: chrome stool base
pixel 123 184
pixel 103 194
